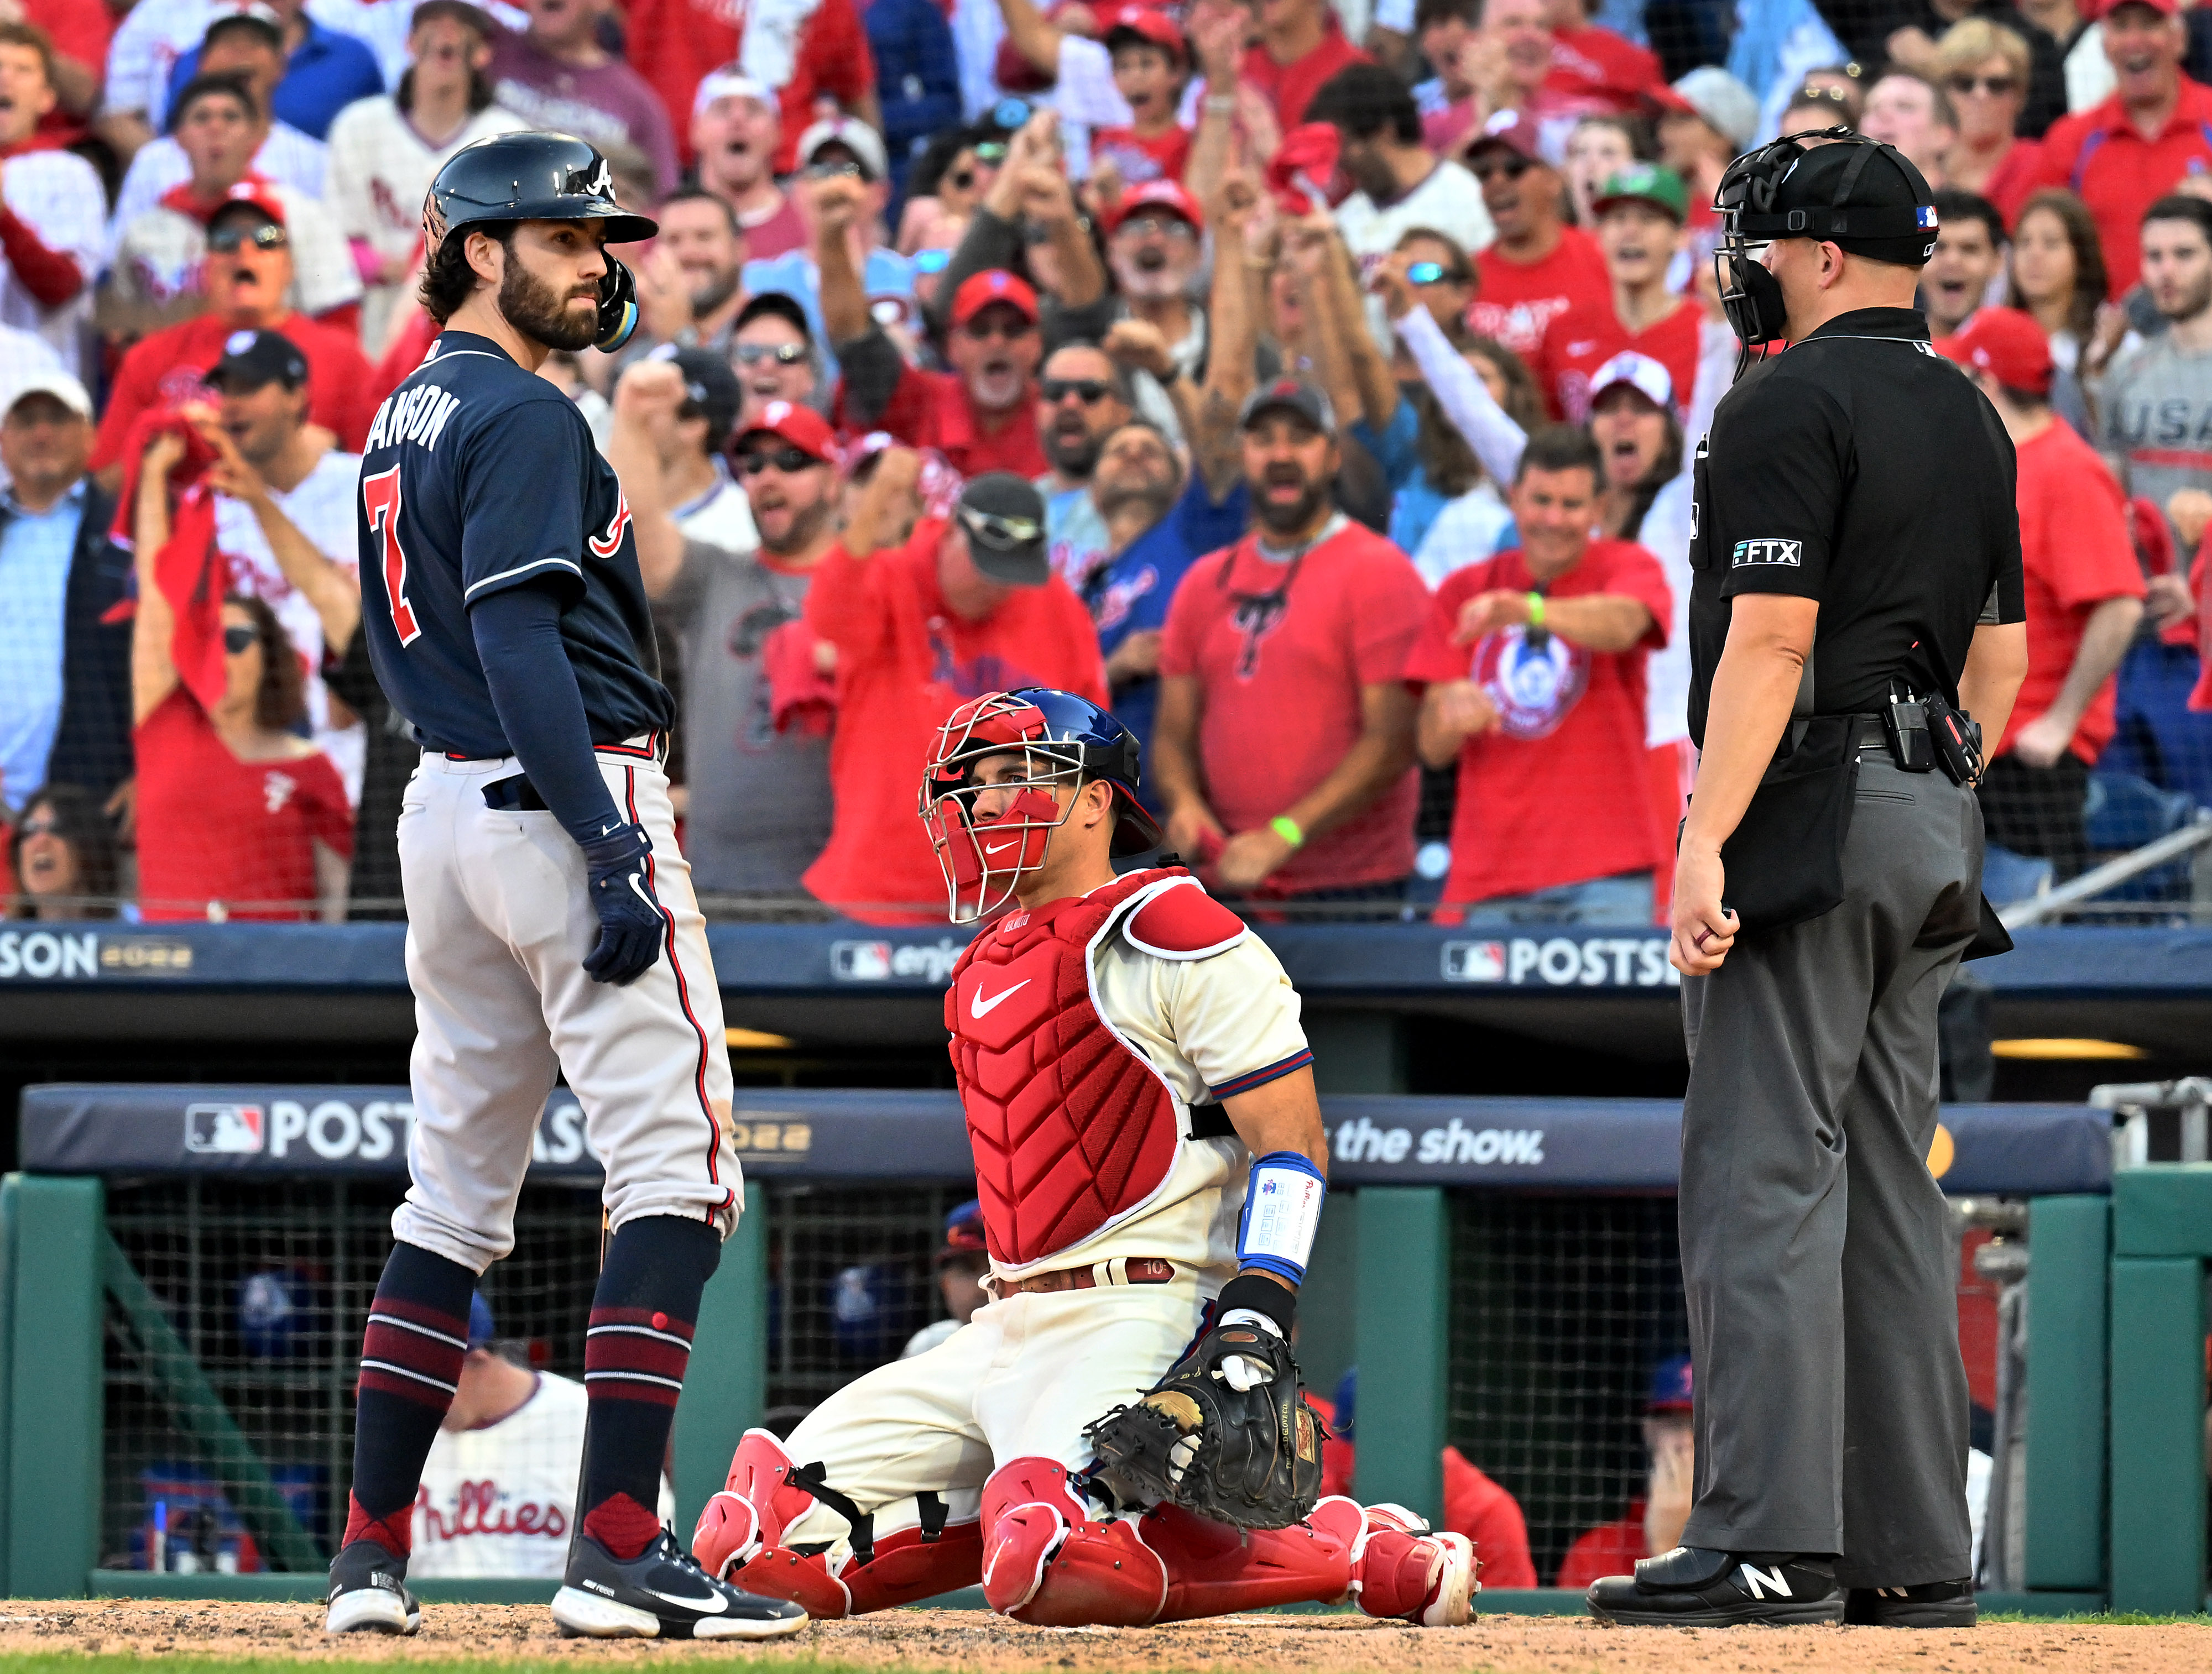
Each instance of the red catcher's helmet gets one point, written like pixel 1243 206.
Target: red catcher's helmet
pixel 1059 735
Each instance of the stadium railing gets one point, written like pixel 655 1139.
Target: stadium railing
pixel 1505 1269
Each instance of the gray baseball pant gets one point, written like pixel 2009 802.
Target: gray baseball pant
pixel 1831 1401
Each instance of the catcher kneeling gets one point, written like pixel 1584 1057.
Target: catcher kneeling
pixel 1119 1436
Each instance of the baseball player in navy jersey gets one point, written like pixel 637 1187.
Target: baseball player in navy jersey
pixel 552 923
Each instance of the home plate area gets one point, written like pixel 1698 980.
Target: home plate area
pixel 482 1638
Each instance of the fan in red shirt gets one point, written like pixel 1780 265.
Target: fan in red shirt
pixel 1640 215
pixel 2123 156
pixel 1152 64
pixel 1474 1506
pixel 675 43
pixel 1654 1523
pixel 1595 71
pixel 1532 665
pixel 2085 597
pixel 1539 267
pixel 244 289
pixel 980 415
pixel 1300 46
pixel 239 817
pixel 1283 743
pixel 969 605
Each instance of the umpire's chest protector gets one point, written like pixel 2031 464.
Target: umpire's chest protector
pixel 1071 1129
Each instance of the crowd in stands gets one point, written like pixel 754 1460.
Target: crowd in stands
pixel 1315 381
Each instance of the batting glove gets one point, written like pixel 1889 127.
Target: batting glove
pixel 631 922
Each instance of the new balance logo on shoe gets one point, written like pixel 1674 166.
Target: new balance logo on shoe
pixel 1756 1581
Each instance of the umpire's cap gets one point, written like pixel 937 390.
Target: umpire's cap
pixel 528 177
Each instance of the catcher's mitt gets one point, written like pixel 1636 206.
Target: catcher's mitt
pixel 1227 1434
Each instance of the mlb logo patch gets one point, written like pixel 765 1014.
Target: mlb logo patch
pixel 1927 217
pixel 234 1130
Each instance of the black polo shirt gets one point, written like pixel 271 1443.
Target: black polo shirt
pixel 1862 468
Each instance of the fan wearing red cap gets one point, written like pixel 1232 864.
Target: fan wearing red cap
pixel 2123 156
pixel 2085 597
pixel 1538 267
pixel 1126 85
pixel 978 414
pixel 248 280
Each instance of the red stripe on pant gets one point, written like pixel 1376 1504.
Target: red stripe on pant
pixel 683 993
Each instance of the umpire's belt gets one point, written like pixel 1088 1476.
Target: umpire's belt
pixel 1869 738
pixel 1129 1269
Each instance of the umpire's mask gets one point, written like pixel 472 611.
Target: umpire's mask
pixel 1827 183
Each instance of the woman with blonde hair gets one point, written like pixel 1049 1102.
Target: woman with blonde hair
pixel 1985 67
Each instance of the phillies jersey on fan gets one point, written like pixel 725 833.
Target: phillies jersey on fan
pixel 499 1500
pixel 470 484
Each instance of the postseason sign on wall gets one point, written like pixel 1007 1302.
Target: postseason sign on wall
pixel 1549 1145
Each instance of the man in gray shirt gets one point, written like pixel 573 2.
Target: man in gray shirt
pixel 727 564
pixel 2157 399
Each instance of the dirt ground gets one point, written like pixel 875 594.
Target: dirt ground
pixel 971 1640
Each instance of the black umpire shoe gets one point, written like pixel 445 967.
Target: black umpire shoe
pixel 368 1593
pixel 1930 1604
pixel 1694 1586
pixel 662 1594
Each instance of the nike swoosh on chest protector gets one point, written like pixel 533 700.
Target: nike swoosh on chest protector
pixel 980 1007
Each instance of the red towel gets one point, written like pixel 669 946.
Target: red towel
pixel 191 574
pixel 1306 160
pixel 801 698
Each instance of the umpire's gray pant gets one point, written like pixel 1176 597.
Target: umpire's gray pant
pixel 1830 1402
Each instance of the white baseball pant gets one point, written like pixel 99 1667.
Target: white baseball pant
pixel 499 924
pixel 1020 1379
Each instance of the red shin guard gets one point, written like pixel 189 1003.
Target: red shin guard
pixel 1213 1569
pixel 904 1570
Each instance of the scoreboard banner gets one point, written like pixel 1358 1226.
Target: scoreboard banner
pixel 1396 961
pixel 1543 1144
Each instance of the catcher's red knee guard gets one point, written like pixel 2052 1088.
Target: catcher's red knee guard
pixel 1213 1569
pixel 1029 1509
pixel 757 1503
pixel 1401 1570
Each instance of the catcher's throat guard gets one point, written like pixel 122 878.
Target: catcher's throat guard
pixel 1752 217
pixel 1060 741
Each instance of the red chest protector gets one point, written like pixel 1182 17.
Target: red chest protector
pixel 1071 1128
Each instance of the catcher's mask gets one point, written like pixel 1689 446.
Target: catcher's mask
pixel 1063 740
pixel 1814 184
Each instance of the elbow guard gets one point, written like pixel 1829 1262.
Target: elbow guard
pixel 1282 1212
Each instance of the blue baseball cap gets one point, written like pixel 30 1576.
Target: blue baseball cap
pixel 481 1330
pixel 1671 1386
pixel 963 1232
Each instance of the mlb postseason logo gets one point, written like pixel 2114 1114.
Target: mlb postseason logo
pixel 1750 553
pixel 234 1130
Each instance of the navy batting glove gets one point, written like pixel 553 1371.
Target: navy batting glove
pixel 631 922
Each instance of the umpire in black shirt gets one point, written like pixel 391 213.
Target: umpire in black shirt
pixel 1856 580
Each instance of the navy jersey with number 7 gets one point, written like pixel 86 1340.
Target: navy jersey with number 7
pixel 478 476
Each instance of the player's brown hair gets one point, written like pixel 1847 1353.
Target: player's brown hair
pixel 31 35
pixel 282 699
pixel 448 281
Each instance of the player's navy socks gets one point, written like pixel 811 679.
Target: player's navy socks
pixel 410 1364
pixel 640 1342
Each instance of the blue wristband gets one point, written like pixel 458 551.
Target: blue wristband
pixel 1282 1210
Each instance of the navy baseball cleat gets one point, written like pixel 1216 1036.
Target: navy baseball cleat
pixel 368 1593
pixel 1928 1604
pixel 1694 1586
pixel 662 1594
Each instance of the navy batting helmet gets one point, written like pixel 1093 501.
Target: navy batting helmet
pixel 1059 733
pixel 541 177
